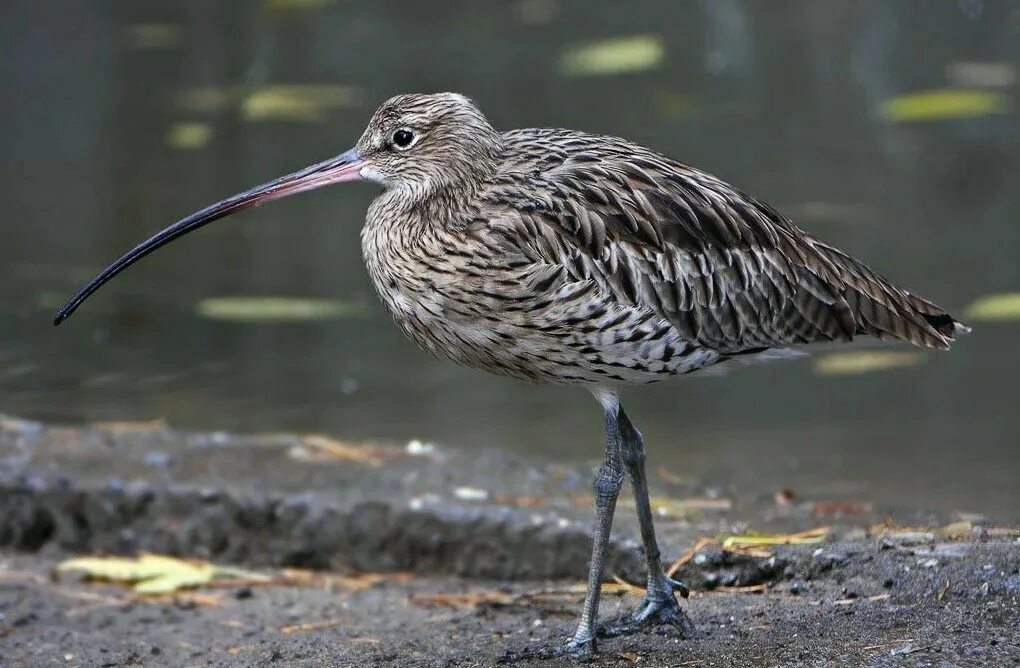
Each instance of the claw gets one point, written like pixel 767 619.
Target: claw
pixel 679 587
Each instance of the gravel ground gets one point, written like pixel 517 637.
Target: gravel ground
pixel 846 604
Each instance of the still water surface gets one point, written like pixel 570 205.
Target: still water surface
pixel 887 128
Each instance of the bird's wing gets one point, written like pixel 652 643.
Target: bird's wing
pixel 727 270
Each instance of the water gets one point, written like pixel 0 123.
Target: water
pixel 119 117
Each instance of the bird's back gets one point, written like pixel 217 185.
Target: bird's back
pixel 728 271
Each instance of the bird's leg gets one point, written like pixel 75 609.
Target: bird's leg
pixel 607 484
pixel 659 604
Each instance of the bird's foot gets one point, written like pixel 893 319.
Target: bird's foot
pixel 659 608
pixel 579 649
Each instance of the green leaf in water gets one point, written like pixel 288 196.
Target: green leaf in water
pixel 620 55
pixel 152 35
pixel 275 309
pixel 864 361
pixel 189 136
pixel 943 104
pixel 298 102
pixel 1004 306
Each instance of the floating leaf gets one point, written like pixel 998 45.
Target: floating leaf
pixel 816 535
pixel 189 136
pixel 864 361
pixel 943 104
pixel 152 35
pixel 298 102
pixel 1005 306
pixel 621 55
pixel 268 309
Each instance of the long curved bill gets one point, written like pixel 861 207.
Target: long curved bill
pixel 345 167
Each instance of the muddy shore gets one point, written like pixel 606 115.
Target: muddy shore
pixel 478 557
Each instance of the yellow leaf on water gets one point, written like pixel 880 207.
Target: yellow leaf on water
pixel 278 102
pixel 152 35
pixel 943 104
pixel 298 102
pixel 619 55
pixel 188 136
pixel 1004 306
pixel 863 361
pixel 279 309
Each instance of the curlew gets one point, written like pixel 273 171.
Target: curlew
pixel 562 257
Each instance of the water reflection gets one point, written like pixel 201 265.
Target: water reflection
pixel 886 128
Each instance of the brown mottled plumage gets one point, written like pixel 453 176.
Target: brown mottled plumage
pixel 568 258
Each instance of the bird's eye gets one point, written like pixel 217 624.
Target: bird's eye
pixel 404 138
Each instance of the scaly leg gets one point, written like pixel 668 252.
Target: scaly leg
pixel 659 605
pixel 607 484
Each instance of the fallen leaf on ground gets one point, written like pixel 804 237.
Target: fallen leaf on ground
pixel 630 587
pixel 743 589
pixel 960 530
pixel 153 573
pixel 816 535
pixel 318 447
pixel 681 508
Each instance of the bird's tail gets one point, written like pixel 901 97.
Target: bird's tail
pixel 885 311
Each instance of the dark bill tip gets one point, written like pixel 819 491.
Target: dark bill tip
pixel 345 167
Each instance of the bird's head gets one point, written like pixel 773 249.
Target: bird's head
pixel 415 146
pixel 418 144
